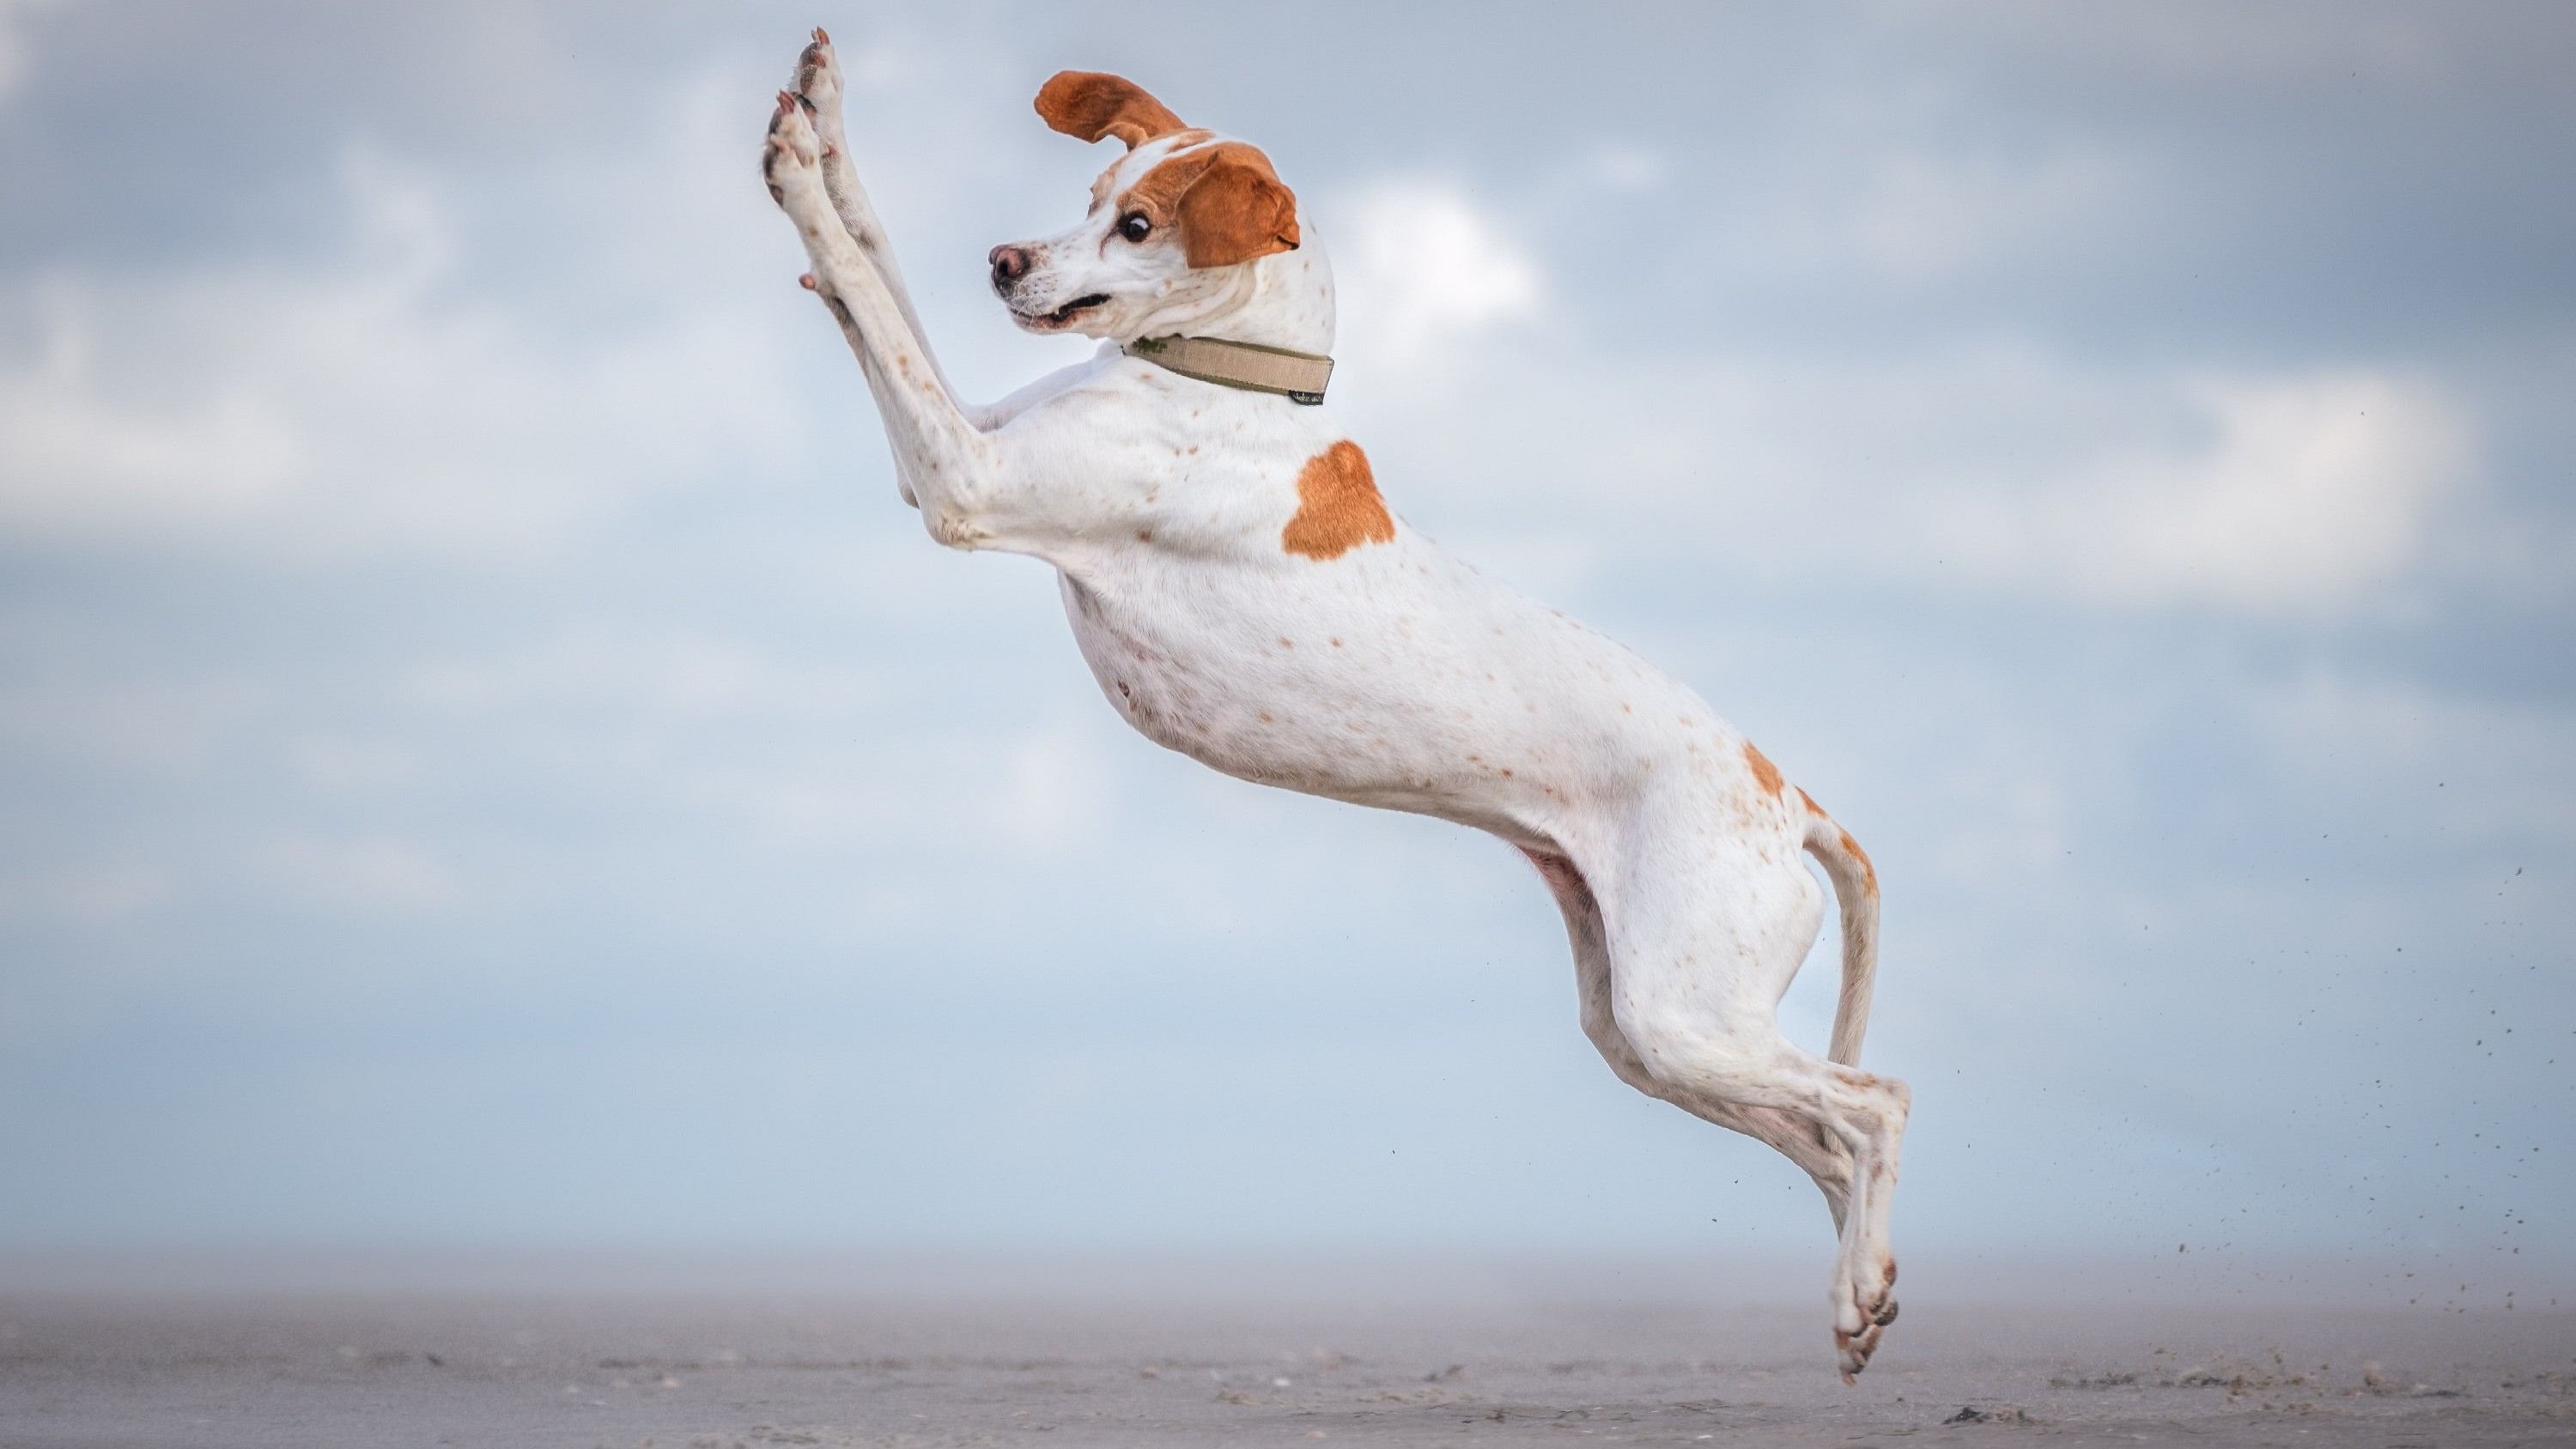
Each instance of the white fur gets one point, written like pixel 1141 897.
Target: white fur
pixel 1391 675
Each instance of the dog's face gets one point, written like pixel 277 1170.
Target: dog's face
pixel 1173 230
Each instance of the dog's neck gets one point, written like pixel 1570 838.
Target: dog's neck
pixel 1284 300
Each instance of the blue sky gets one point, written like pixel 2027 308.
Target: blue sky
pixel 490 762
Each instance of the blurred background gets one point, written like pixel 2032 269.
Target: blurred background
pixel 490 766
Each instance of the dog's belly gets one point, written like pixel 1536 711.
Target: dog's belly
pixel 1404 680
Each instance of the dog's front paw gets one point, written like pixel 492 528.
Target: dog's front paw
pixel 790 156
pixel 818 76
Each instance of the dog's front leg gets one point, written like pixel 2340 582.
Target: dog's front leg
pixel 960 474
pixel 818 81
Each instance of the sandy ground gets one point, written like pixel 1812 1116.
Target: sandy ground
pixel 210 1369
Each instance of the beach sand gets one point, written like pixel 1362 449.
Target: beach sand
pixel 704 1369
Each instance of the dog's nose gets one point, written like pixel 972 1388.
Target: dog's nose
pixel 1009 265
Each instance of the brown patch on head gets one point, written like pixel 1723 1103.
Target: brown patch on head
pixel 1090 105
pixel 1812 807
pixel 1180 140
pixel 1230 206
pixel 1860 857
pixel 1338 507
pixel 1765 774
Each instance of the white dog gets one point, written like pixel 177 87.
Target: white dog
pixel 1244 596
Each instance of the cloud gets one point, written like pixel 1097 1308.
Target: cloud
pixel 14 47
pixel 1978 469
pixel 1622 166
pixel 98 894
pixel 380 399
pixel 1914 214
pixel 2232 42
pixel 2308 493
pixel 1424 267
pixel 366 875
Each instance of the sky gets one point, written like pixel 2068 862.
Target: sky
pixel 489 762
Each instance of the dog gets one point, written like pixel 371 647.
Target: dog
pixel 1243 595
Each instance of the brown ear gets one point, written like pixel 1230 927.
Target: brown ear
pixel 1090 105
pixel 1237 210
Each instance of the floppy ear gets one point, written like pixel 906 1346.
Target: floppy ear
pixel 1091 105
pixel 1237 210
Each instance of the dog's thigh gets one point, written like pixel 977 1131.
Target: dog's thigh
pixel 1817 1152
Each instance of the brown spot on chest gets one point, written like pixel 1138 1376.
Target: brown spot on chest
pixel 1338 507
pixel 1765 774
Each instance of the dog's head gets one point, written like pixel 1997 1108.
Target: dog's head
pixel 1181 230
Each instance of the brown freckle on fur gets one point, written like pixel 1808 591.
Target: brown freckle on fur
pixel 1287 643
pixel 1336 643
pixel 1338 507
pixel 1265 716
pixel 1144 535
pixel 1765 774
pixel 1507 772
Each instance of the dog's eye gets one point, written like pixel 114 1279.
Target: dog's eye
pixel 1134 226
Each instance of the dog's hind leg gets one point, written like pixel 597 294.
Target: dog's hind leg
pixel 1819 1154
pixel 1706 911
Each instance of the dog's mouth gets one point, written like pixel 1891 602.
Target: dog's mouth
pixel 1062 316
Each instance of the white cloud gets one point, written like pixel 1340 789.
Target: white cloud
pixel 1628 168
pixel 93 895
pixel 1424 267
pixel 1916 214
pixel 367 875
pixel 14 48
pixel 176 726
pixel 374 400
pixel 1981 469
pixel 2310 491
pixel 2261 43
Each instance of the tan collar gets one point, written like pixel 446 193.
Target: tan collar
pixel 1296 376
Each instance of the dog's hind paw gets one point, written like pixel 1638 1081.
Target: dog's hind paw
pixel 1861 1317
